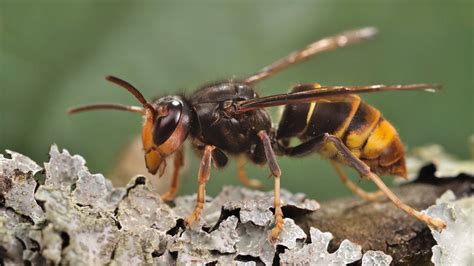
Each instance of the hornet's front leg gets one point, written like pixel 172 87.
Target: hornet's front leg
pixel 203 177
pixel 178 162
pixel 276 172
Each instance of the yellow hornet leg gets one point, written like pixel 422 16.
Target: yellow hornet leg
pixel 276 172
pixel 364 170
pixel 244 179
pixel 276 231
pixel 436 223
pixel 368 196
pixel 178 162
pixel 203 177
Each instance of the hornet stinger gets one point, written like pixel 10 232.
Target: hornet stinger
pixel 229 118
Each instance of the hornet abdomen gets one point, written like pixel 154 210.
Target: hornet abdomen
pixel 360 126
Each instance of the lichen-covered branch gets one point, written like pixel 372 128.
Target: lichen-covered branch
pixel 62 214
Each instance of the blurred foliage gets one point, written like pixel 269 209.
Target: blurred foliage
pixel 54 54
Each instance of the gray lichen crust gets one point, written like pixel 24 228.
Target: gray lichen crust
pixel 316 252
pixel 376 258
pixel 75 217
pixel 17 182
pixel 455 245
pixel 447 165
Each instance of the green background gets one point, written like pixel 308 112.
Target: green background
pixel 55 54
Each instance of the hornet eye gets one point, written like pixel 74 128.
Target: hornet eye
pixel 165 125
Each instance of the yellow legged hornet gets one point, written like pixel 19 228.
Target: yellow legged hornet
pixel 229 118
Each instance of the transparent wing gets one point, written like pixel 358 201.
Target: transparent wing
pixel 324 45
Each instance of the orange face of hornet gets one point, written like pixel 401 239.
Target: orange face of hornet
pixel 164 131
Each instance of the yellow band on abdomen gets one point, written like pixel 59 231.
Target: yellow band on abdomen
pixel 381 137
pixel 312 106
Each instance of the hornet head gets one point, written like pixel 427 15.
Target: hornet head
pixel 165 128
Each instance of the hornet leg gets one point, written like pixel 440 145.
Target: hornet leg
pixel 364 170
pixel 368 196
pixel 243 177
pixel 178 162
pixel 203 177
pixel 276 172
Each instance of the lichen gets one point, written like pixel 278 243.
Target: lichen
pixel 376 258
pixel 142 208
pixel 96 191
pixel 454 244
pixel 76 217
pixel 447 165
pixel 316 253
pixel 62 169
pixel 17 182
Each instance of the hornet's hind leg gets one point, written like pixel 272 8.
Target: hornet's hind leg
pixel 318 142
pixel 276 172
pixel 314 145
pixel 368 196
pixel 243 177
